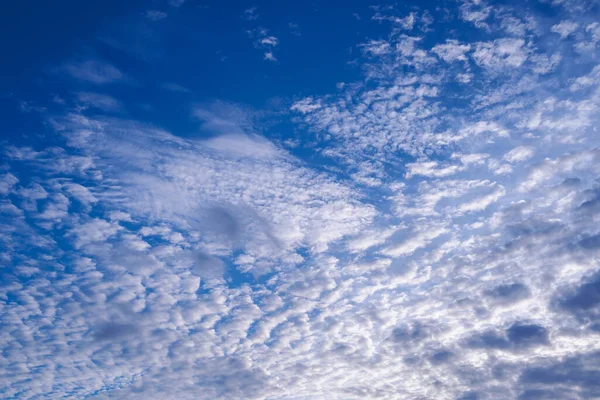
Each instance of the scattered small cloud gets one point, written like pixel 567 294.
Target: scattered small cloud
pixel 176 3
pixel 294 29
pixel 250 14
pixel 155 15
pixel 263 40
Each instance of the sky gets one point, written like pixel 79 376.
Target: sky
pixel 206 199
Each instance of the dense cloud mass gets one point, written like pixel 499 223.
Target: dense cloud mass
pixel 430 230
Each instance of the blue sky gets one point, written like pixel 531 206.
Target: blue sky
pixel 300 200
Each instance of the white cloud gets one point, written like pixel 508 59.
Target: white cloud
pixel 501 53
pixel 305 105
pixel 406 23
pixel 471 159
pixel 431 169
pixel 94 231
pixel 377 47
pixel 269 41
pixel 253 176
pixel 565 28
pixel 416 241
pixel 451 51
pixel 554 168
pixel 81 193
pixel 585 81
pixel 407 248
pixel 7 182
pixel 475 13
pixel 243 145
pixel 482 202
pixel 593 30
pixel 369 239
pixel 519 154
pixel 269 56
pixel 262 40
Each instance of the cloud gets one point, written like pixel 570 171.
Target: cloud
pixel 584 300
pixel 377 47
pixel 501 53
pixel 155 15
pixel 95 231
pixel 482 202
pixel 366 240
pixel 432 233
pixel 551 168
pixel 243 145
pixel 174 195
pixel 508 293
pixel 574 376
pixel 565 28
pixel 406 23
pixel 114 331
pixel 250 14
pixel 476 13
pixel 269 56
pixel 517 337
pixel 451 51
pixel 93 71
pixel 262 40
pixel 417 241
pixel 430 169
pixel 269 41
pixel 519 154
pixel 176 3
pixel 175 87
pixel 7 182
pixel 222 118
pixel 99 101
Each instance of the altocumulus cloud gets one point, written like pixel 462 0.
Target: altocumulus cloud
pixel 429 229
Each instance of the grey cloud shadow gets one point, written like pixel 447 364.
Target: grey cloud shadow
pixel 207 266
pixel 590 242
pixel 508 293
pixel 582 301
pixel 222 221
pixel 239 225
pixel 114 331
pixel 441 357
pixel 518 336
pixel 411 333
pixel 575 377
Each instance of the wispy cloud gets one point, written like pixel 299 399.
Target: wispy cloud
pixel 100 101
pixel 175 87
pixel 176 3
pixel 250 14
pixel 94 71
